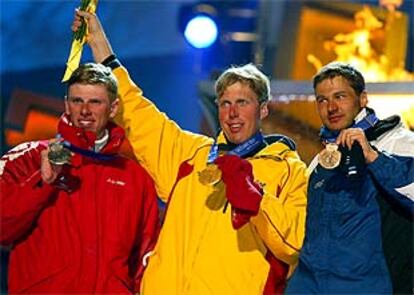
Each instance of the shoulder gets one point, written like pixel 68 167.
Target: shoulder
pixel 281 150
pixel 398 140
pixel 280 147
pixel 21 155
pixel 133 167
pixel 23 149
pixel 274 138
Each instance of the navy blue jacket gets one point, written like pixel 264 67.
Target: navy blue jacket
pixel 345 238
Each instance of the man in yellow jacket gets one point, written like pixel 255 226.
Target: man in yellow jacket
pixel 236 204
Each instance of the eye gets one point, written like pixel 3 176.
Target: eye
pixel 242 102
pixel 76 100
pixel 224 104
pixel 95 101
pixel 321 100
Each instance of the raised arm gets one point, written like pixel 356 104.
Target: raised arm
pixel 159 144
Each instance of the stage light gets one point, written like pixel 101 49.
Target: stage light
pixel 201 31
pixel 225 32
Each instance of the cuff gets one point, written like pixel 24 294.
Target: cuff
pixel 112 62
pixel 378 166
pixel 35 182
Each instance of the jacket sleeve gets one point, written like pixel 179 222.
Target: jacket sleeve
pixel 23 195
pixel 281 218
pixel 159 144
pixel 149 228
pixel 395 175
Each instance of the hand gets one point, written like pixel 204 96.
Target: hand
pixel 96 37
pixel 48 171
pixel 348 136
pixel 243 193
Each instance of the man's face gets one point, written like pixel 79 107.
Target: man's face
pixel 89 107
pixel 240 113
pixel 337 103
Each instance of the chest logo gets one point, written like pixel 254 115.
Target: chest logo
pixel 115 182
pixel 319 184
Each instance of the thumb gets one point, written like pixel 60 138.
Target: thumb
pixel 48 171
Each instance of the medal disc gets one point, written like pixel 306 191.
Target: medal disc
pixel 330 157
pixel 58 154
pixel 210 176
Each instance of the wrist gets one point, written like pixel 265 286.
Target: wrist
pixel 100 48
pixel 111 62
pixel 371 156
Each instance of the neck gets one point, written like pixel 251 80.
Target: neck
pixel 101 141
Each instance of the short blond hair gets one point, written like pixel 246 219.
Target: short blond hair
pixel 248 74
pixel 93 73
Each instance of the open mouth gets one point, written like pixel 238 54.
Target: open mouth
pixel 234 128
pixel 85 123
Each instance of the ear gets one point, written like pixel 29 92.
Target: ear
pixel 67 111
pixel 264 110
pixel 114 108
pixel 363 99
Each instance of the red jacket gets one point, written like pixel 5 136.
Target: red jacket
pixel 89 241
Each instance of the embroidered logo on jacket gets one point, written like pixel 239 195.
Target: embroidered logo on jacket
pixel 319 184
pixel 17 152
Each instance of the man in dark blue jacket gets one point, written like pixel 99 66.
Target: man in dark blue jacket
pixel 359 234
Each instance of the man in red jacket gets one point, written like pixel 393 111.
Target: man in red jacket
pixel 79 217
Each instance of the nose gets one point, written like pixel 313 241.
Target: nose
pixel 85 109
pixel 234 111
pixel 332 106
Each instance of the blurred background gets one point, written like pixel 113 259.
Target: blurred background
pixel 176 62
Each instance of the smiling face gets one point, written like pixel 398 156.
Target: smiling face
pixel 89 107
pixel 240 113
pixel 337 102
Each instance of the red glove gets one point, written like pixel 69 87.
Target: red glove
pixel 243 193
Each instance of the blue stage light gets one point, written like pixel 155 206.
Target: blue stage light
pixel 201 31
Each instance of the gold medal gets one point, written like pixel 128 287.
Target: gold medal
pixel 210 175
pixel 330 157
pixel 58 154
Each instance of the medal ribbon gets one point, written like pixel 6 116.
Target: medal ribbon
pixel 79 39
pixel 241 150
pixel 367 122
pixel 83 152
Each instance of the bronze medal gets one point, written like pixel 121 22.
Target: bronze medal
pixel 210 175
pixel 58 154
pixel 330 157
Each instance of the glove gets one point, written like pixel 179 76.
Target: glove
pixel 243 193
pixel 239 217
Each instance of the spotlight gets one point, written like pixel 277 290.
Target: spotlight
pixel 201 31
pixel 199 24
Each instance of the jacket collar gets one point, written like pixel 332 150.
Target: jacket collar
pixel 272 148
pixel 86 139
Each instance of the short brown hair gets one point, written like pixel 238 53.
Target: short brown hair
pixel 347 71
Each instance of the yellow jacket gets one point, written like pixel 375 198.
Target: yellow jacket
pixel 198 251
